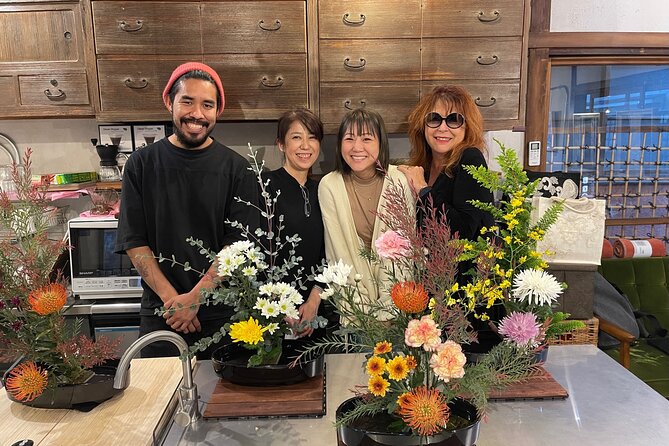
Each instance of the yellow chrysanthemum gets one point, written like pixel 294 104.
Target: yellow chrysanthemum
pixel 249 332
pixel 411 362
pixel 383 347
pixel 425 411
pixel 375 365
pixel 26 381
pixel 378 386
pixel 397 368
pixel 48 299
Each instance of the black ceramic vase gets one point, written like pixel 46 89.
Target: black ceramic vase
pixel 372 430
pixel 230 363
pixel 84 397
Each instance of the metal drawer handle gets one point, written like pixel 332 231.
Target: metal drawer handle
pixel 54 97
pixel 358 22
pixel 492 61
pixel 139 24
pixel 360 66
pixel 348 104
pixel 267 83
pixel 136 85
pixel 486 19
pixel 274 27
pixel 492 102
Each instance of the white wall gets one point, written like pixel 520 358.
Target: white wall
pixel 610 16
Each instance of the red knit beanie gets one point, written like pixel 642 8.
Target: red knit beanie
pixel 193 66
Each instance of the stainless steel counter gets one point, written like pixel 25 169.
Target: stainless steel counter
pixel 607 405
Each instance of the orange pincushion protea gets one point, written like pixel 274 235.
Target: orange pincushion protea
pixel 48 299
pixel 409 297
pixel 26 381
pixel 425 411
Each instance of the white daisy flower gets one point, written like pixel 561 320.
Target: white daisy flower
pixel 249 271
pixel 271 310
pixel 271 328
pixel 266 289
pixel 261 304
pixel 336 273
pixel 536 287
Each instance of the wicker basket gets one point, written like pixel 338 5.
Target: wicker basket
pixel 585 335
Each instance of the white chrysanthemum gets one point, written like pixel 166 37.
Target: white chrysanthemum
pixel 249 271
pixel 242 246
pixel 336 273
pixel 271 310
pixel 266 289
pixel 262 266
pixel 261 304
pixel 282 289
pixel 271 328
pixel 326 293
pixel 536 287
pixel 295 297
pixel 228 262
pixel 292 313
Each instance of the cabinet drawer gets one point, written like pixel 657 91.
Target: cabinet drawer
pixel 473 58
pixel 368 19
pixel 134 86
pixel 496 100
pixel 40 33
pixel 147 27
pixel 393 100
pixel 10 94
pixel 369 60
pixel 473 18
pixel 254 27
pixel 259 86
pixel 54 89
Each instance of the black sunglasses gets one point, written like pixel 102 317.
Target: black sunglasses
pixel 453 120
pixel 307 203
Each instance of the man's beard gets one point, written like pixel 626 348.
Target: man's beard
pixel 187 141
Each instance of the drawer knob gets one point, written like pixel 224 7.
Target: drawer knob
pixel 480 102
pixel 355 66
pixel 267 83
pixel 136 85
pixel 492 60
pixel 54 97
pixel 273 27
pixel 348 104
pixel 349 22
pixel 125 26
pixel 488 18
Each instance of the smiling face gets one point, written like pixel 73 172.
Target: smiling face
pixel 443 138
pixel 360 151
pixel 193 113
pixel 301 149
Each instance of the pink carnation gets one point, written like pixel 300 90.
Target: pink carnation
pixel 423 333
pixel 391 245
pixel 521 328
pixel 449 361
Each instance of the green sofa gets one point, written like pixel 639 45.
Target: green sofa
pixel 645 282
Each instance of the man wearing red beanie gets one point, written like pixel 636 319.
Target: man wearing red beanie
pixel 184 186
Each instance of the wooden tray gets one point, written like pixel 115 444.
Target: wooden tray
pixel 232 401
pixel 538 387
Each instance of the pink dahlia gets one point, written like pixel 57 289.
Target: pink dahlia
pixel 423 333
pixel 391 245
pixel 521 328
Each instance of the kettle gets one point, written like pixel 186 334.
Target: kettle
pixel 108 153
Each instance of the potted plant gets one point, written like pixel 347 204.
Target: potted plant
pixel 54 356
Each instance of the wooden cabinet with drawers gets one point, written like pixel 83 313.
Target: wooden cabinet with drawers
pixel 258 48
pixel 43 70
pixel 385 53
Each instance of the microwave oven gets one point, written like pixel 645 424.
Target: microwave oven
pixel 97 272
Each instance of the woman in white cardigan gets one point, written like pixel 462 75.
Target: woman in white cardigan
pixel 351 196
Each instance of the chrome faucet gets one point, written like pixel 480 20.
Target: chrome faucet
pixel 189 410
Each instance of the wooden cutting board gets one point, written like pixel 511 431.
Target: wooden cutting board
pixel 539 386
pixel 128 418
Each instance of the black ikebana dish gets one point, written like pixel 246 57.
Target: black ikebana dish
pixel 231 363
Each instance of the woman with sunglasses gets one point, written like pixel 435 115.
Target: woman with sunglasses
pixel 299 136
pixel 352 195
pixel 446 133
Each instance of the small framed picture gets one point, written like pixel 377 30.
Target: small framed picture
pixel 119 135
pixel 145 135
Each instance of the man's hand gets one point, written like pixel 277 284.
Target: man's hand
pixel 181 314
